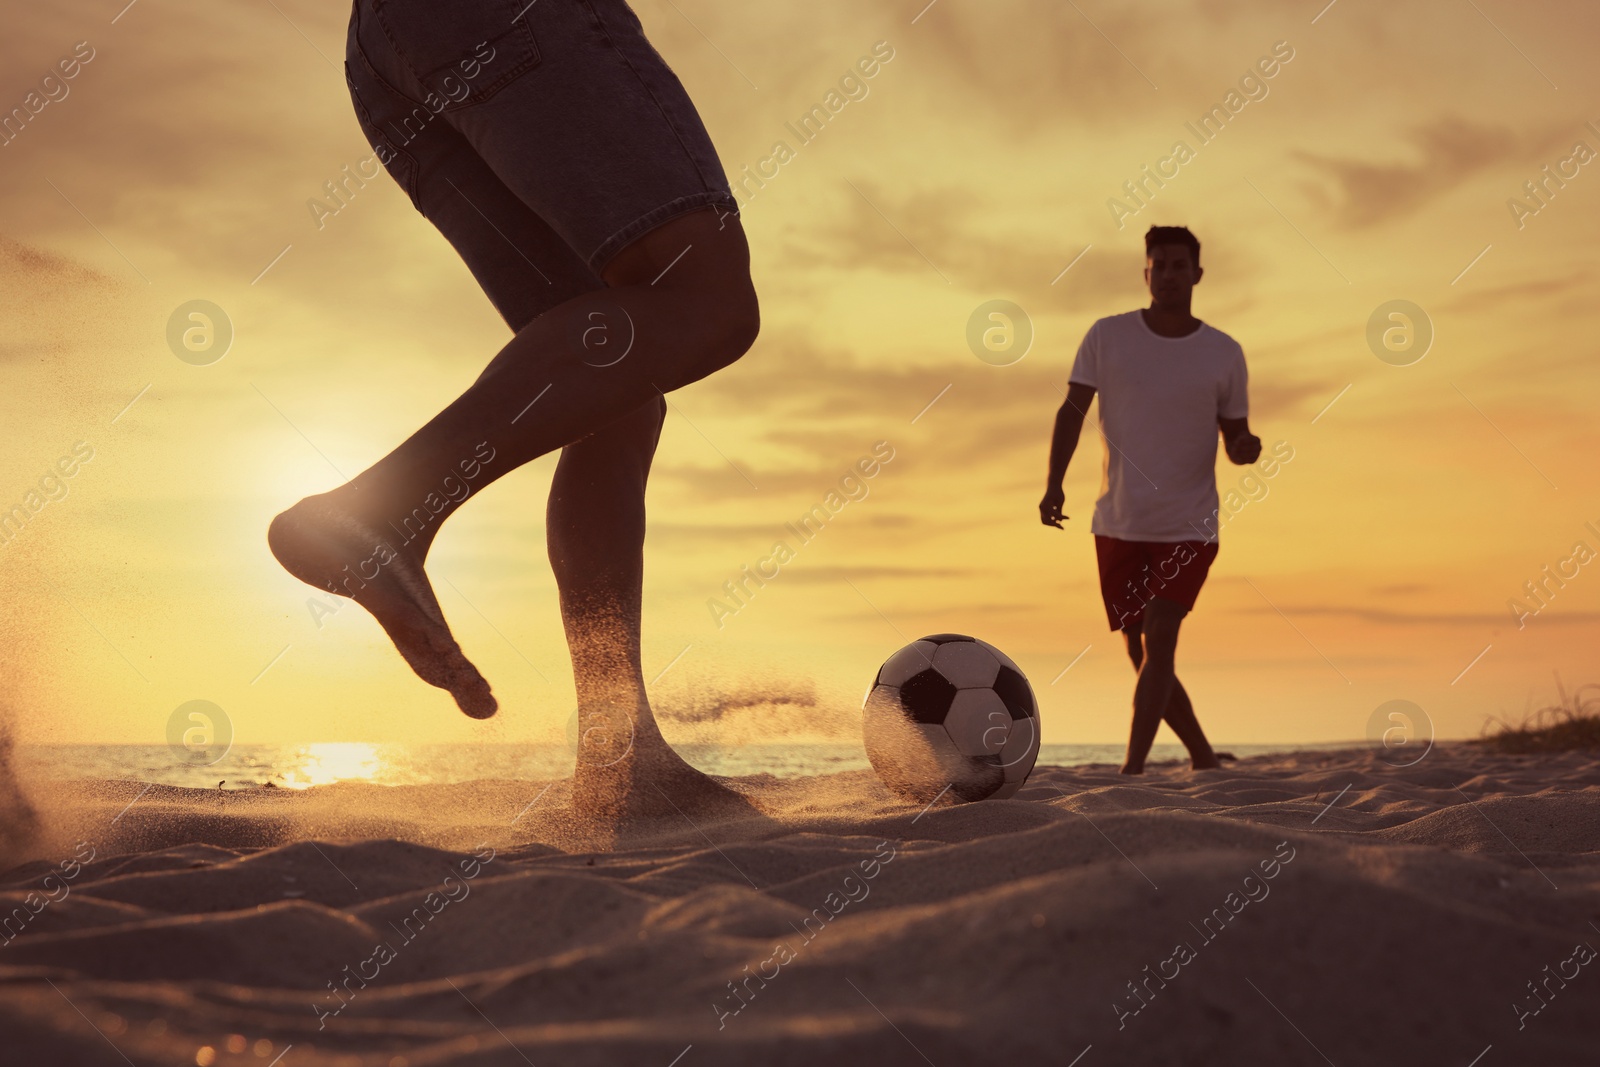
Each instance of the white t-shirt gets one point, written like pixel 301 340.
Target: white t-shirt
pixel 1160 398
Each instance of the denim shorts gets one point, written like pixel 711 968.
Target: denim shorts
pixel 541 137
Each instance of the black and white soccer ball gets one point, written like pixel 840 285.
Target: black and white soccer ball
pixel 951 712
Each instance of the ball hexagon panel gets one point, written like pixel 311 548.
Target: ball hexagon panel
pixel 927 696
pixel 1016 692
pixel 978 722
pixel 940 639
pixel 966 664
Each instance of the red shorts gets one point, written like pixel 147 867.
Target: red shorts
pixel 1132 573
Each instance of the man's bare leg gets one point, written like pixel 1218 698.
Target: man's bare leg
pixel 682 291
pixel 1179 715
pixel 1158 695
pixel 595 528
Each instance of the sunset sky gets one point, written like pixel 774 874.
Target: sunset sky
pixel 1376 164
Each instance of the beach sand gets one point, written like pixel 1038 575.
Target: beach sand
pixel 1304 908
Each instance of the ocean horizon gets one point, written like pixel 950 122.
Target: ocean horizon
pixel 300 766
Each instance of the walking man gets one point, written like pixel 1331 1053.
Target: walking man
pixel 1167 383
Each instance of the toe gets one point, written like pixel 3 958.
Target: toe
pixel 476 701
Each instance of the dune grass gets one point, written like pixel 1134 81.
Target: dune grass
pixel 1572 724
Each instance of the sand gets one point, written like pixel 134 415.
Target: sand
pixel 1298 909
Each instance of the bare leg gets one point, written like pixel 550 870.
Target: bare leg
pixel 596 529
pixel 1157 695
pixel 682 291
pixel 1179 715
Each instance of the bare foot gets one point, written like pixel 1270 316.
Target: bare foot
pixel 326 546
pixel 1204 763
pixel 626 774
pixel 1128 768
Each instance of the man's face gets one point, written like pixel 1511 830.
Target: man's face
pixel 1170 274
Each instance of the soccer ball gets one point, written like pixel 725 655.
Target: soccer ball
pixel 951 712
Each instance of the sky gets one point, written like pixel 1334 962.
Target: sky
pixel 1383 160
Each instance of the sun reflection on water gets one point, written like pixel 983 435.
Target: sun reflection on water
pixel 324 763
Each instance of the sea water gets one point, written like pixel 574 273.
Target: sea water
pixel 250 766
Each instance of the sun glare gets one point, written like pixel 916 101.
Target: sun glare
pixel 325 763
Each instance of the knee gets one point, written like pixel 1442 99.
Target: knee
pixel 1160 646
pixel 734 322
pixel 727 319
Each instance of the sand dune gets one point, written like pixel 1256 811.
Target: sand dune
pixel 1299 909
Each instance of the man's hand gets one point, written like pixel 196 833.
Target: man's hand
pixel 1243 448
pixel 1050 507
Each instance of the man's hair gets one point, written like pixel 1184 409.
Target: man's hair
pixel 1172 235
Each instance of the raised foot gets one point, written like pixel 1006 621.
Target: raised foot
pixel 326 546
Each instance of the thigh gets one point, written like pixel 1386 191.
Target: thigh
pixel 568 105
pixel 1124 570
pixel 1182 568
pixel 523 265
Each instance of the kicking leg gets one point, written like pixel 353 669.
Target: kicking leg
pixel 589 137
pixel 681 291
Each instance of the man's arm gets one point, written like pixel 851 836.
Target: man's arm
pixel 1241 445
pixel 1063 442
